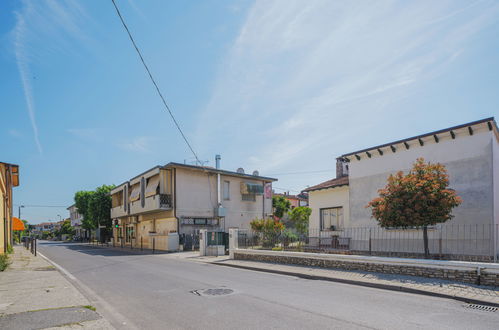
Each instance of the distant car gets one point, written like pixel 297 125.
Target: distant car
pixel 24 238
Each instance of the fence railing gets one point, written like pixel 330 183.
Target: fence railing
pixel 475 242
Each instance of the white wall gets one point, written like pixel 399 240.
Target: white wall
pixel 469 163
pixel 332 197
pixel 196 196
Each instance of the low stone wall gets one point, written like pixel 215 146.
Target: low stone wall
pixel 447 270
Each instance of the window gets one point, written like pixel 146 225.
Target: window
pixel 152 186
pixel 200 221
pixel 135 194
pixel 249 197
pixel 332 218
pixel 226 190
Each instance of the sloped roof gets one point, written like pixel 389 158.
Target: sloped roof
pixel 338 182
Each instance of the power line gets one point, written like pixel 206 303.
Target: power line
pixel 154 81
pixel 304 172
pixel 27 205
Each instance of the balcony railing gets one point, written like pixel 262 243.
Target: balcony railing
pixel 165 201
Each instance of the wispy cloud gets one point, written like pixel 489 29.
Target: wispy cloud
pixel 299 72
pixel 140 144
pixel 36 21
pixel 14 133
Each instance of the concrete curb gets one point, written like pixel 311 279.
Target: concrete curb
pixel 361 283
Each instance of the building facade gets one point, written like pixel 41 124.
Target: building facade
pixel 470 153
pixel 76 222
pixel 155 207
pixel 9 177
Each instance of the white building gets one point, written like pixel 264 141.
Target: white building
pixel 470 152
pixel 76 221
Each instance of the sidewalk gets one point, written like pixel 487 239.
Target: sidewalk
pixel 420 285
pixel 34 295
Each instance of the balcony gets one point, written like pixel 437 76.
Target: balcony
pixel 154 203
pixel 118 211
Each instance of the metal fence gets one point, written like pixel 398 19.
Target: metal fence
pixel 476 242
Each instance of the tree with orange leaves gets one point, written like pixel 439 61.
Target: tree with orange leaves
pixel 421 198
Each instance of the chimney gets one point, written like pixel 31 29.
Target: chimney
pixel 217 161
pixel 341 167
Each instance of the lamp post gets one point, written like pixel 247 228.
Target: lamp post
pixel 60 218
pixel 19 213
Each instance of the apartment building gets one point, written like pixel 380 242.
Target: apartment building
pixel 153 208
pixel 76 222
pixel 9 177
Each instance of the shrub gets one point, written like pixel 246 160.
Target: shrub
pixel 4 262
pixel 268 229
pixel 288 237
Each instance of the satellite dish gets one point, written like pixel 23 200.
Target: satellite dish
pixel 256 173
pixel 240 170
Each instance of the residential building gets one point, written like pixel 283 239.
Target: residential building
pixel 39 228
pixel 295 200
pixel 154 207
pixel 9 177
pixel 470 152
pixel 76 222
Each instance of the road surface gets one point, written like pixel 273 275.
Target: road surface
pixel 159 292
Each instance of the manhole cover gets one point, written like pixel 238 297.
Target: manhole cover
pixel 213 292
pixel 482 307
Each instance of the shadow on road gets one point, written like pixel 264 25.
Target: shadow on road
pixel 100 250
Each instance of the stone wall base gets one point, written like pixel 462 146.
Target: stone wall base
pixel 446 273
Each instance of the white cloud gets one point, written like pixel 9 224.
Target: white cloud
pixel 139 144
pixel 36 21
pixel 299 72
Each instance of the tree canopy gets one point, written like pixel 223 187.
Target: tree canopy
pixel 281 206
pixel 299 217
pixel 420 198
pixel 95 207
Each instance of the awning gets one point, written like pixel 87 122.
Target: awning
pixel 135 194
pixel 17 224
pixel 248 188
pixel 152 185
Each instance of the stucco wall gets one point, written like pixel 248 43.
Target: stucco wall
pixel 468 160
pixel 333 197
pixel 196 196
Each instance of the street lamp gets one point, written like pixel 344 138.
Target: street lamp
pixel 20 211
pixel 60 218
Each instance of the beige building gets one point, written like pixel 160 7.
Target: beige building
pixel 157 206
pixel 470 153
pixel 76 221
pixel 9 177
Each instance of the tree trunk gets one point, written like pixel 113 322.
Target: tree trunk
pixel 425 239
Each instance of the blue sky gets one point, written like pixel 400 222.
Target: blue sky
pixel 278 86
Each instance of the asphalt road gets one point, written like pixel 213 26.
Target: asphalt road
pixel 157 292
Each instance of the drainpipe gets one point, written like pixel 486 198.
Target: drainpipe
pixel 217 162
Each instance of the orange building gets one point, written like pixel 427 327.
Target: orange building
pixel 9 177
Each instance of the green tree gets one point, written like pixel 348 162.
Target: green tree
pixel 82 202
pixel 66 228
pixel 281 206
pixel 95 207
pixel 420 198
pixel 299 217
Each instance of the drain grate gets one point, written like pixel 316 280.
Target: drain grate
pixel 213 292
pixel 484 308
